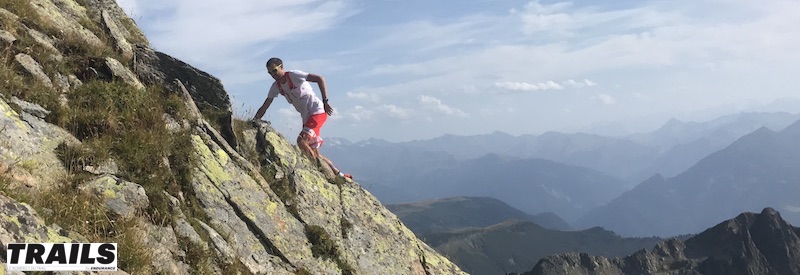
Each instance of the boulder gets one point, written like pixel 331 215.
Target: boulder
pixel 27 145
pixel 156 68
pixel 119 71
pixel 120 196
pixel 33 68
pixel 46 42
pixel 7 38
pixel 96 8
pixel 65 17
pixel 121 44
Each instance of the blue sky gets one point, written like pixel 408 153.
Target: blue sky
pixel 403 70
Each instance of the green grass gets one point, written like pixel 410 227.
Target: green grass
pixel 323 246
pixel 345 226
pixel 117 120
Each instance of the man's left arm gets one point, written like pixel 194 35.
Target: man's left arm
pixel 322 89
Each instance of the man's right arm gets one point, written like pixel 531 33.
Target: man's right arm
pixel 263 109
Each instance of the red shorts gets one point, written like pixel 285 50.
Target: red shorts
pixel 311 128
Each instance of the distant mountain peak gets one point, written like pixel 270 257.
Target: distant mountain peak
pixel 748 244
pixel 793 129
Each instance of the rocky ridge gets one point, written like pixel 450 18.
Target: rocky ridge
pixel 751 243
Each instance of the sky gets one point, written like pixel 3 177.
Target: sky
pixel 406 70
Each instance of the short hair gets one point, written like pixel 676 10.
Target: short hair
pixel 274 62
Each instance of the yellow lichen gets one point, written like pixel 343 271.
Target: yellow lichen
pixel 432 259
pixel 320 185
pixel 14 219
pixel 109 194
pixel 272 207
pixel 13 115
pixel 54 237
pixel 209 164
pixel 223 157
pixel 283 149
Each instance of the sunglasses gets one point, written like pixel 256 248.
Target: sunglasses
pixel 274 70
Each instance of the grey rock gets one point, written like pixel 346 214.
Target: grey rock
pixel 156 68
pixel 373 230
pixel 33 68
pixel 181 226
pixel 121 72
pixel 10 16
pixel 56 17
pixel 7 37
pixel 31 108
pixel 71 9
pixel 165 250
pixel 221 247
pixel 132 33
pixel 27 146
pixel 121 44
pixel 22 224
pixel 62 82
pixel 46 42
pixel 74 81
pixel 108 166
pixel 122 197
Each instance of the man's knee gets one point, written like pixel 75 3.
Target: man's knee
pixel 303 139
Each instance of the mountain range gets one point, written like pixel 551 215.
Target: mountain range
pixel 516 246
pixel 531 185
pixel 486 236
pixel 569 185
pixel 758 170
pixel 463 212
pixel 668 150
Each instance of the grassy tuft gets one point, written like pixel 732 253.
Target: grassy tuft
pixel 23 9
pixel 323 246
pixel 131 121
pixel 346 226
pixel 321 243
pixel 200 259
pixel 302 271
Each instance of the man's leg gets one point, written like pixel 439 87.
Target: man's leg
pixel 328 161
pixel 335 170
pixel 303 141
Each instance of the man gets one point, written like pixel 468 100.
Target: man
pixel 295 87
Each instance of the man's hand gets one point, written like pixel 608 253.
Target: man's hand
pixel 328 109
pixel 258 122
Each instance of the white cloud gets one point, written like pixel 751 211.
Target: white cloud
pixel 394 111
pixel 537 17
pixel 605 99
pixel 437 106
pixel 524 86
pixel 371 97
pixel 579 84
pixel 223 34
pixel 355 114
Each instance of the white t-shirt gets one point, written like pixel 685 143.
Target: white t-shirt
pixel 302 96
